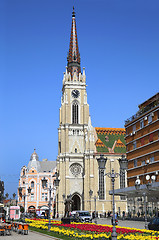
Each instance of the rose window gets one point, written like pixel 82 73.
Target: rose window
pixel 75 169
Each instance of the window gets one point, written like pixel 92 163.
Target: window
pixel 151 137
pixel 134 128
pixel 134 145
pixel 16 211
pixel 60 147
pixel 158 114
pixel 42 197
pixel 143 163
pixel 122 182
pixel 101 184
pixel 142 141
pixel 32 184
pixel 45 197
pixel 152 159
pixel 135 162
pixel 75 150
pixel 32 196
pixel 149 118
pixel 126 131
pixel 75 113
pixel 142 123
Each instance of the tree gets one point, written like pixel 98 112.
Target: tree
pixel 14 195
pixel 6 195
pixel 21 209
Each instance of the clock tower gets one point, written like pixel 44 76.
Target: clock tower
pixel 76 141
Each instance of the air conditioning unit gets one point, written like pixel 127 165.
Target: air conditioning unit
pixel 134 132
pixel 145 118
pixel 131 134
pixel 152 114
pixel 147 161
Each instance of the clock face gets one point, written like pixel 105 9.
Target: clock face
pixel 75 93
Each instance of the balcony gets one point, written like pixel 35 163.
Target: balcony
pixel 143 111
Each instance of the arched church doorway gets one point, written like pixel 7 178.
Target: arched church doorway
pixel 76 203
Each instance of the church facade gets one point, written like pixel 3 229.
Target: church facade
pixel 80 144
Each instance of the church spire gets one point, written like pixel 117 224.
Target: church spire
pixel 73 58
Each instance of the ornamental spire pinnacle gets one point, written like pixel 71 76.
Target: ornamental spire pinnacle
pixel 73 58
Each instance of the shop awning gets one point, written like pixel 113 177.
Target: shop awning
pixel 131 192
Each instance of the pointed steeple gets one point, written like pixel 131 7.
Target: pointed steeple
pixel 73 58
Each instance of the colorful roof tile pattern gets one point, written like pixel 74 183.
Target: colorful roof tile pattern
pixel 111 140
pixel 100 143
pixel 73 59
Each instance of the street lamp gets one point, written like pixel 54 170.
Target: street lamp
pixel 56 182
pixel 90 195
pixel 123 162
pixel 137 186
pixel 95 200
pixel 24 195
pixel 148 186
pixel 44 185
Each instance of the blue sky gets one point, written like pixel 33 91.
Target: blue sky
pixel 118 43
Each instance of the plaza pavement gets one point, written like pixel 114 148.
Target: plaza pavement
pixel 122 223
pixel 30 236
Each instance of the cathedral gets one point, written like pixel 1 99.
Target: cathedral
pixel 80 144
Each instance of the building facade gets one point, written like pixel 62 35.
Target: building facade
pixel 1 199
pixel 31 177
pixel 1 191
pixel 80 144
pixel 142 150
pixel 142 142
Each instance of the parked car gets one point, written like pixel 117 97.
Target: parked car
pixel 83 216
pixel 154 224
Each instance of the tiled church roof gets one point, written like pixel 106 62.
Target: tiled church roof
pixel 110 140
pixel 100 143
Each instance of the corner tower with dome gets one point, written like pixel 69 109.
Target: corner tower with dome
pixel 79 142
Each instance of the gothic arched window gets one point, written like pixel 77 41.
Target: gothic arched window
pixel 32 184
pixel 75 113
pixel 101 185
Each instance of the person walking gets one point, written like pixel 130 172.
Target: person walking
pixel 123 215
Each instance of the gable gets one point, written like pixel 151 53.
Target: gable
pixel 32 171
